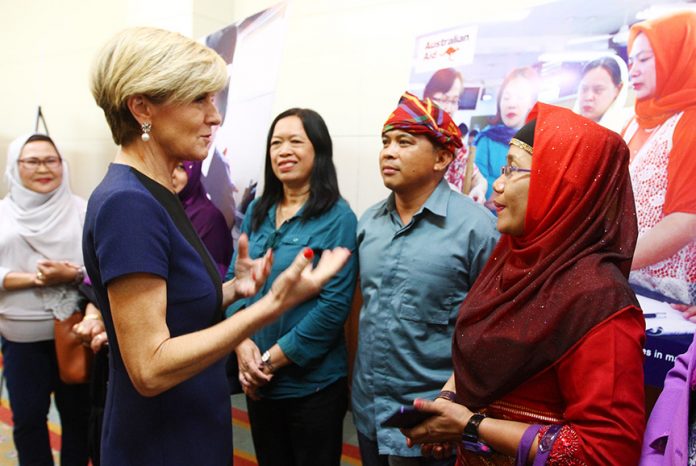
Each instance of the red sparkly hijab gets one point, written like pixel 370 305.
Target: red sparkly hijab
pixel 424 117
pixel 541 292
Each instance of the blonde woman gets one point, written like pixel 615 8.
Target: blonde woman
pixel 158 289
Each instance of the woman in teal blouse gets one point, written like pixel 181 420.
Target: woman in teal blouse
pixel 294 371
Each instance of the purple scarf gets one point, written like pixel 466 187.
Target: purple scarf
pixel 498 133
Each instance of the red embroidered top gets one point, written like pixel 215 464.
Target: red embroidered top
pixel 601 376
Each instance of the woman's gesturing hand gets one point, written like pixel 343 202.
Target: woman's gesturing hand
pixel 300 281
pixel 249 274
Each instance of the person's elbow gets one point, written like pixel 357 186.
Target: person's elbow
pixel 146 381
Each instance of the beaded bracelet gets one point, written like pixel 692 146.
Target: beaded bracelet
pixel 448 395
pixel 79 276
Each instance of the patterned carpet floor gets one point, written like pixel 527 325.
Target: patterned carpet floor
pixel 243 447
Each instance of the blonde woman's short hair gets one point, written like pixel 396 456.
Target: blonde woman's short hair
pixel 162 65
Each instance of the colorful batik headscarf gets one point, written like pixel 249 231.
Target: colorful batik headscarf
pixel 424 117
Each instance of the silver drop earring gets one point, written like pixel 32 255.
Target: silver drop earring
pixel 146 127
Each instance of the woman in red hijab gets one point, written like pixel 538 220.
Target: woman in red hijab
pixel 547 352
pixel 662 138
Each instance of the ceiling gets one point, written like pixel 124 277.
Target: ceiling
pixel 565 29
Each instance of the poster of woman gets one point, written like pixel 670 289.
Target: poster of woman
pixel 251 48
pixel 628 69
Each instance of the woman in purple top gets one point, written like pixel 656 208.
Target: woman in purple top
pixel 207 219
pixel 670 436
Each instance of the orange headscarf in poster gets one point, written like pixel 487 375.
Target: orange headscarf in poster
pixel 424 117
pixel 673 40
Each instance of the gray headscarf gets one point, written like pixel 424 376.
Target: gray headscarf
pixel 51 224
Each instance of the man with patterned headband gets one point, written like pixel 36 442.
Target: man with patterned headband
pixel 420 251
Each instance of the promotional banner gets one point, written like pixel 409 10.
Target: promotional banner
pixel 628 66
pixel 252 50
pixel 451 48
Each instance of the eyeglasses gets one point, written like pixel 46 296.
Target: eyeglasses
pixel 52 163
pixel 446 100
pixel 508 170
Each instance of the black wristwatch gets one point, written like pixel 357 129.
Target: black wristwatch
pixel 470 436
pixel 471 431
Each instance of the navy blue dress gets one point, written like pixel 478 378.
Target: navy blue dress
pixel 135 225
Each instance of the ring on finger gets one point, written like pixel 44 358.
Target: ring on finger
pixel 40 275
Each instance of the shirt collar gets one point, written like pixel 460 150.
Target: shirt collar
pixel 436 202
pixel 272 212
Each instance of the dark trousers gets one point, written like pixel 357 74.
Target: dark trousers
pixel 305 431
pixel 369 452
pixel 31 372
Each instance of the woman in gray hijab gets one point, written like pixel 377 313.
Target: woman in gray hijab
pixel 40 268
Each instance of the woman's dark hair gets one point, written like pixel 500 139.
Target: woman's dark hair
pixel 464 129
pixel 441 81
pixel 609 65
pixel 323 184
pixel 42 137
